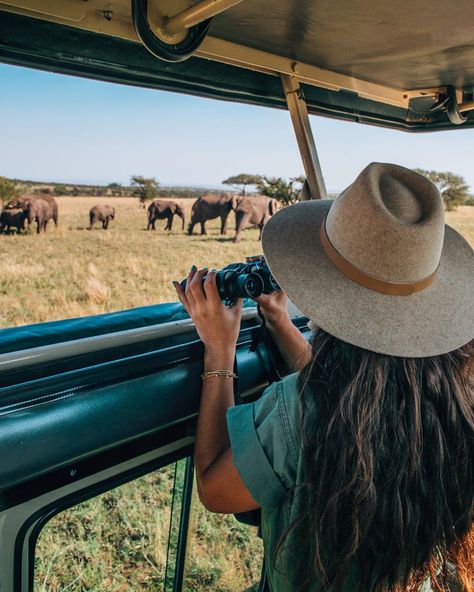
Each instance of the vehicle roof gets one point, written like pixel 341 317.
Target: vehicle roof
pixel 367 61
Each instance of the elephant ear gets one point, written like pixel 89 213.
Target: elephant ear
pixel 235 201
pixel 273 206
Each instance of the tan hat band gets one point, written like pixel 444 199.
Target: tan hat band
pixel 368 281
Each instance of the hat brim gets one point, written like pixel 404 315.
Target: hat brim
pixel 434 321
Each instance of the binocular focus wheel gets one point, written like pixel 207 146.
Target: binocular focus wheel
pixel 169 52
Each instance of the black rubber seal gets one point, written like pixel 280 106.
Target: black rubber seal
pixel 177 52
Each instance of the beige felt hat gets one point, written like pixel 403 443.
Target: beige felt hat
pixel 377 267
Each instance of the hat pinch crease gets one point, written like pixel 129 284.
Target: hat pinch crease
pixel 367 281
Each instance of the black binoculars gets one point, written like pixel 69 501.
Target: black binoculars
pixel 244 280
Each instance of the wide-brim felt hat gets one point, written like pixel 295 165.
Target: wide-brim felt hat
pixel 377 267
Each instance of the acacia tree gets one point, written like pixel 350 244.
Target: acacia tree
pixel 453 188
pixel 241 181
pixel 286 192
pixel 144 188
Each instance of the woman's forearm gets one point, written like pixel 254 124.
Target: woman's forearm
pixel 293 346
pixel 212 438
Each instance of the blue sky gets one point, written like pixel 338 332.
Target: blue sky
pixel 61 128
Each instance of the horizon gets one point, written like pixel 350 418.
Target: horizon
pixel 78 130
pixel 92 183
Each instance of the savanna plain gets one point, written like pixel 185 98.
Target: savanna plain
pixel 70 271
pixel 119 540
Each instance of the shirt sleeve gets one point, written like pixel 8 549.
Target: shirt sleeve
pixel 263 447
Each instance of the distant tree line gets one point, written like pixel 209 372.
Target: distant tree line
pixel 11 188
pixel 452 187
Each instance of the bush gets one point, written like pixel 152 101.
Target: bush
pixel 286 192
pixel 8 190
pixel 59 190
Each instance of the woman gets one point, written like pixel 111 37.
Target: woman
pixel 363 460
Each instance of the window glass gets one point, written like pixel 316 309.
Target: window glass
pixel 116 541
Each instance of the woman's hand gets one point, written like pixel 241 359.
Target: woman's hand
pixel 274 307
pixel 218 325
pixel 291 343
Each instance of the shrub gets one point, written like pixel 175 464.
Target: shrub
pixel 8 190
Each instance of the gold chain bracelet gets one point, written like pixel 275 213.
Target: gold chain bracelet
pixel 222 373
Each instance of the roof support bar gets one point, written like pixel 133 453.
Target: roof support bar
pixel 197 14
pixel 304 136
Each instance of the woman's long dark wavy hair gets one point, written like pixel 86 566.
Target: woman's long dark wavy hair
pixel 388 457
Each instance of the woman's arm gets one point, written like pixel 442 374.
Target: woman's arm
pixel 219 484
pixel 293 346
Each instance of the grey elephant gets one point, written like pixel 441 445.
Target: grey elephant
pixel 253 210
pixel 209 207
pixel 12 219
pixel 39 211
pixel 24 199
pixel 162 209
pixel 101 213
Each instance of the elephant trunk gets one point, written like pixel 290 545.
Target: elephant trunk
pixel 30 214
pixel 180 213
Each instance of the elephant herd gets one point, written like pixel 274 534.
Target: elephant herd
pixel 254 210
pixel 29 208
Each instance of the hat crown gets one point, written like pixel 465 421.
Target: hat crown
pixel 389 223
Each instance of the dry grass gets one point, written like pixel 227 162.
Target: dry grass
pixel 49 276
pixel 463 221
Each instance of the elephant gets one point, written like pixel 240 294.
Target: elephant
pixel 209 207
pixel 253 210
pixel 22 200
pixel 161 209
pixel 101 213
pixel 40 211
pixel 12 218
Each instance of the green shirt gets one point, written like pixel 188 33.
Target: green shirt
pixel 266 449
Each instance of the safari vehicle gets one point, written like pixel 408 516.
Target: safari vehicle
pixel 88 404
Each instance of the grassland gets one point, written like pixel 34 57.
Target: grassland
pixel 118 541
pixel 70 271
